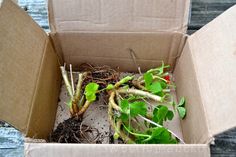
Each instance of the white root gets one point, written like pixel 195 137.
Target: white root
pixel 112 102
pixel 66 80
pixel 72 80
pixel 141 93
pixel 78 87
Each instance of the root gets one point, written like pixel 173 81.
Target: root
pixel 140 93
pixel 124 137
pixel 66 80
pixel 112 102
pixel 84 108
pixel 138 85
pixel 102 75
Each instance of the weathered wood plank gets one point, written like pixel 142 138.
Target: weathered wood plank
pixel 203 12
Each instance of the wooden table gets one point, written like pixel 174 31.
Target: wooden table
pixel 202 12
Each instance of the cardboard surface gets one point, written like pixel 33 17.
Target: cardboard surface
pixel 194 126
pixel 22 44
pixel 113 49
pixel 115 150
pixel 118 15
pixel 29 73
pixel 214 54
pixel 45 99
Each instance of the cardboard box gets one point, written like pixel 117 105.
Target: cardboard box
pixel 100 32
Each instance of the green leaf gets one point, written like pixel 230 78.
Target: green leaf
pixel 90 91
pixel 124 104
pixel 137 108
pixel 133 109
pixel 163 84
pixel 110 87
pixel 182 112
pixel 155 87
pixel 182 102
pixel 147 80
pixel 124 117
pixel 159 135
pixel 170 115
pixel 161 114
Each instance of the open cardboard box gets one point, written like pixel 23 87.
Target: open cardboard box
pixel 100 32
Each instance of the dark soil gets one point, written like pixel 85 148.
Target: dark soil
pixel 72 131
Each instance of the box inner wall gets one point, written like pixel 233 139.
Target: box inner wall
pixel 113 49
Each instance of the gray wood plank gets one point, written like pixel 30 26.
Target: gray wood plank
pixel 203 12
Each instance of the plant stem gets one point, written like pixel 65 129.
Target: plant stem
pixel 117 129
pixel 137 84
pixel 81 102
pixel 135 134
pixel 158 125
pixel 112 102
pixel 141 93
pixel 72 80
pixel 78 87
pixel 154 78
pixel 84 108
pixel 123 81
pixel 166 90
pixel 66 80
pixel 124 137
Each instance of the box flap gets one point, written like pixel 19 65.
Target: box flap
pixel 119 15
pixel 194 126
pixel 22 45
pixel 115 150
pixel 214 55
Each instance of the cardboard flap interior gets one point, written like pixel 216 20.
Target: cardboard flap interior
pixel 214 55
pixel 119 15
pixel 194 126
pixel 113 49
pixel 22 44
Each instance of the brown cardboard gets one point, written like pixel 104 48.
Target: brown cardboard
pixel 45 99
pixel 115 150
pixel 194 126
pixel 114 48
pixel 214 54
pixel 118 15
pixel 29 73
pixel 30 77
pixel 22 44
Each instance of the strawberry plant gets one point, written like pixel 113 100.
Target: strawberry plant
pixel 77 103
pixel 134 118
pixel 138 107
